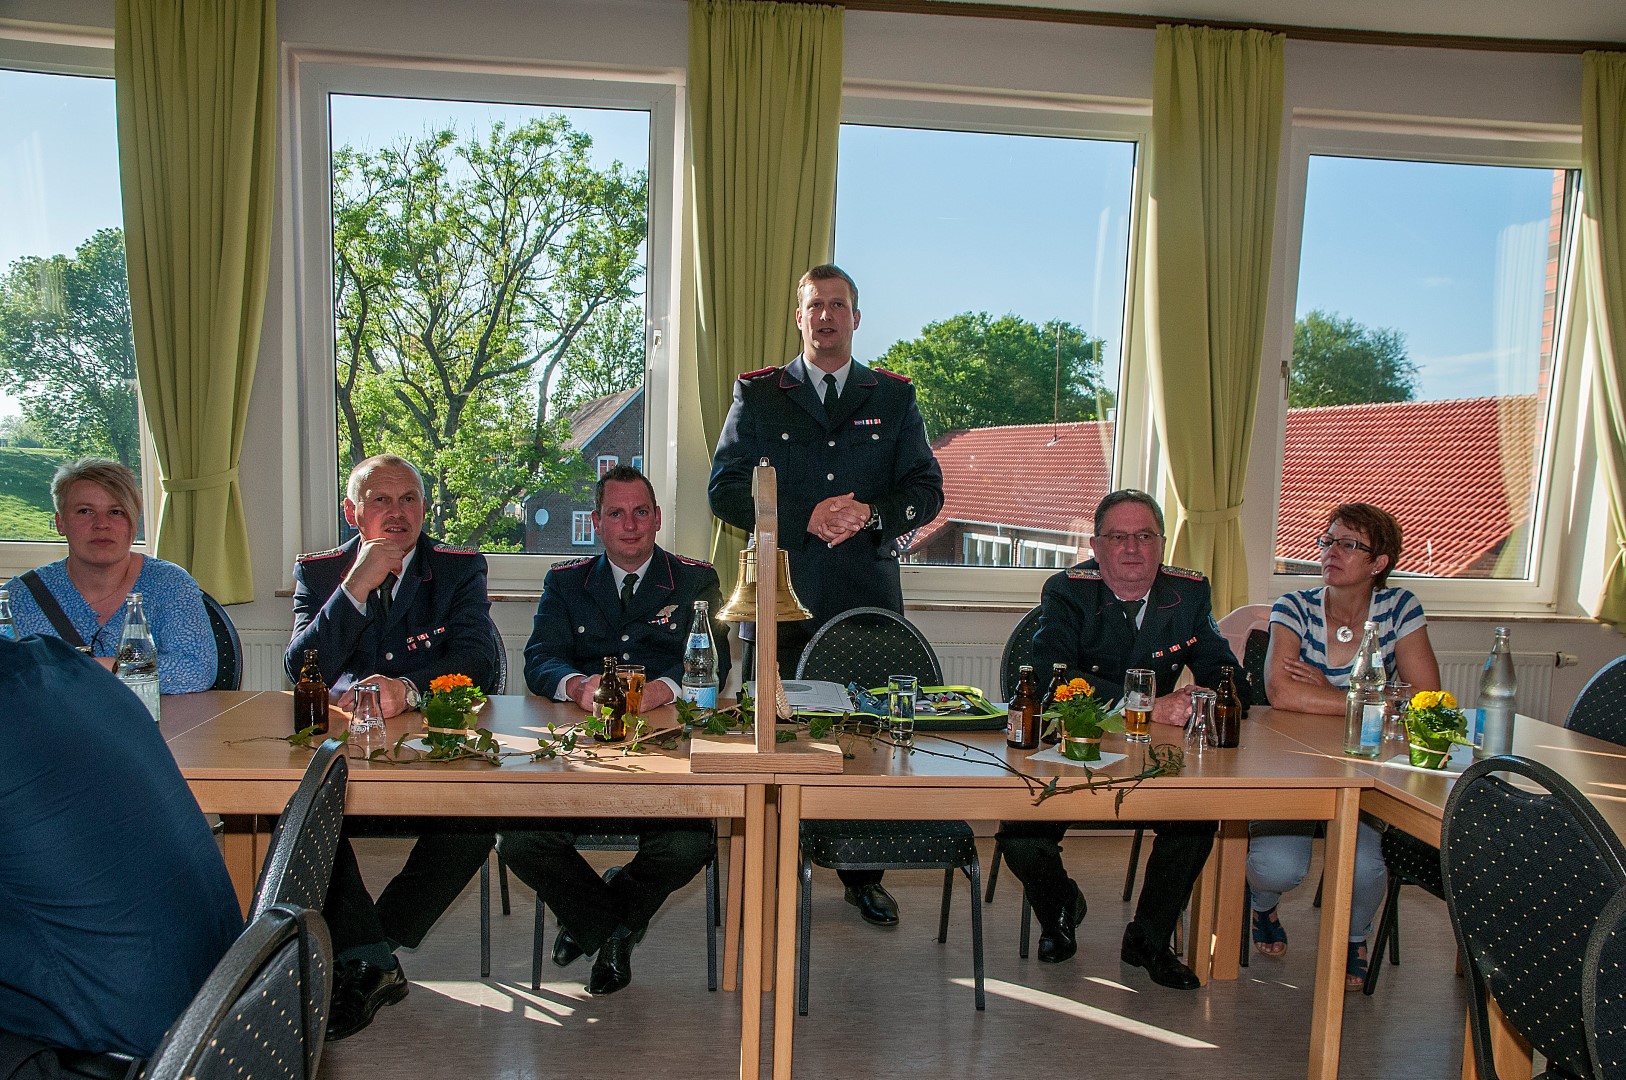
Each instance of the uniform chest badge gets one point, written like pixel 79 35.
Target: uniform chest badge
pixel 424 641
pixel 876 422
pixel 663 617
pixel 1172 649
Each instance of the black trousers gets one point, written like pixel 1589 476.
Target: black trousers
pixel 1033 852
pixel 670 854
pixel 448 853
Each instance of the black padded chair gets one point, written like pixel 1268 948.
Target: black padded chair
pixel 500 685
pixel 1410 861
pixel 593 842
pixel 262 1012
pixel 1018 651
pixel 228 647
pixel 867 645
pixel 1603 993
pixel 1527 874
pixel 1253 663
pixel 1600 709
pixel 300 863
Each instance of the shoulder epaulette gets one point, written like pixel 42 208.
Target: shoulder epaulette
pixel 758 373
pixel 686 561
pixel 894 374
pixel 571 564
pixel 453 549
pixel 314 555
pixel 1182 572
pixel 1079 573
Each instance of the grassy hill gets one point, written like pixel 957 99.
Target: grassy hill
pixel 25 493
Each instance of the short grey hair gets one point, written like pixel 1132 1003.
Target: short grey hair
pixel 106 474
pixel 1127 495
pixel 364 472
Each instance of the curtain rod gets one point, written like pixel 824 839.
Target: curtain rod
pixel 1028 13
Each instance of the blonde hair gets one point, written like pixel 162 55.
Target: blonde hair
pixel 106 474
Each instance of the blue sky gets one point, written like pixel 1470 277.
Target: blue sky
pixel 935 223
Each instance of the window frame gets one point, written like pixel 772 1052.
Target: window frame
pixel 1055 115
pixel 84 52
pixel 1316 133
pixel 578 518
pixel 312 75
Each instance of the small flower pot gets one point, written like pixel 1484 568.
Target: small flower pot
pixel 1429 754
pixel 451 733
pixel 1081 748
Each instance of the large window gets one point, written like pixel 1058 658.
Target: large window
pixel 488 304
pixel 992 267
pixel 67 362
pixel 1423 358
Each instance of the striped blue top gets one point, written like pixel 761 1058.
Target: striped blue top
pixel 1396 611
pixel 174 606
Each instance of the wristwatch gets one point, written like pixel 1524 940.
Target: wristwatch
pixel 413 698
pixel 874 521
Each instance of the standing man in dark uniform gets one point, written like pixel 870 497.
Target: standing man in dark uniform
pixel 396 608
pixel 855 476
pixel 1124 609
pixel 634 602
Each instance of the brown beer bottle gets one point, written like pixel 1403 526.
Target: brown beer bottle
pixel 1022 717
pixel 310 696
pixel 610 703
pixel 1227 710
pixel 1058 677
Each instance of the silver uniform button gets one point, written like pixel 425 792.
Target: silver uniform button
pixel 626 656
pixel 875 434
pixel 626 637
pixel 581 629
pixel 389 656
pixel 784 435
pixel 829 476
pixel 832 442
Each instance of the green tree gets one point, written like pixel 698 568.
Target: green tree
pixel 974 371
pixel 66 351
pixel 1339 361
pixel 464 269
pixel 606 357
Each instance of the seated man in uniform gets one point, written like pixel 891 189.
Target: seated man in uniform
pixel 633 602
pixel 1124 609
pixel 397 608
pixel 118 905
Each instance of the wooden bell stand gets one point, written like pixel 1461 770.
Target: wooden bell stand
pixel 763 754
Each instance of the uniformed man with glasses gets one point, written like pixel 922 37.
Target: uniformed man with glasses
pixel 1124 609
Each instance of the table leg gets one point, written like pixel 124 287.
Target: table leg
pixel 243 847
pixel 751 938
pixel 770 848
pixel 1200 942
pixel 1327 1015
pixel 731 913
pixel 784 999
pixel 1233 871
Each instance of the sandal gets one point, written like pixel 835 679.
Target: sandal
pixel 1269 935
pixel 1355 966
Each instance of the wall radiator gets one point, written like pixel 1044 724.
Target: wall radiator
pixel 1460 671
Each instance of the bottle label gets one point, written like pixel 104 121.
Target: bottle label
pixel 1014 718
pixel 704 697
pixel 1371 725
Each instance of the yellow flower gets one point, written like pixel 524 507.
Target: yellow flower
pixel 447 683
pixel 1425 699
pixel 1448 699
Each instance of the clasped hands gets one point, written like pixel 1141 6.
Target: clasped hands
pixel 838 519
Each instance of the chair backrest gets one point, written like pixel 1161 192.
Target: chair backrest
pixel 867 644
pixel 501 680
pixel 263 1010
pixel 300 864
pixel 1254 652
pixel 1237 626
pixel 1603 993
pixel 228 647
pixel 1600 710
pixel 1018 651
pixel 1526 875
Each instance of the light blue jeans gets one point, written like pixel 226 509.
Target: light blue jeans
pixel 1279 857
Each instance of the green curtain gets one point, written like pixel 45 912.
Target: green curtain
pixel 1216 140
pixel 196 92
pixel 764 120
pixel 1603 263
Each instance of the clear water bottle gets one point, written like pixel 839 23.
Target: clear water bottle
pixel 700 660
pixel 1363 708
pixel 8 625
pixel 137 659
pixel 1497 688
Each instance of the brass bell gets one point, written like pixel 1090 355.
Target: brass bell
pixel 742 604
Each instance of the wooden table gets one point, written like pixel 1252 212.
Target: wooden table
pixel 1270 776
pixel 244 780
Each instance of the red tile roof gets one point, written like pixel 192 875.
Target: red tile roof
pixel 1455 473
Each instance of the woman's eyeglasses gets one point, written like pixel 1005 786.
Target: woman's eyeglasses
pixel 1343 543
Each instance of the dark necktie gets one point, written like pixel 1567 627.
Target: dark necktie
pixel 386 597
pixel 1132 612
pixel 628 583
pixel 830 395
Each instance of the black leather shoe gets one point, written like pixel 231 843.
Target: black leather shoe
pixel 360 989
pixel 1159 960
pixel 612 970
pixel 1060 944
pixel 875 904
pixel 565 949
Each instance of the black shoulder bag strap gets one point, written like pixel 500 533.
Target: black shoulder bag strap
pixel 51 609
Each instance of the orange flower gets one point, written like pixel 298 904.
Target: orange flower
pixel 1065 692
pixel 446 683
pixel 1082 687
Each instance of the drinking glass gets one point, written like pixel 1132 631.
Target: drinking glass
pixel 631 677
pixel 1140 687
pixel 1395 696
pixel 366 720
pixel 900 707
pixel 1202 719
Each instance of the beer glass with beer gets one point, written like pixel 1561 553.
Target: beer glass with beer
pixel 1140 687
